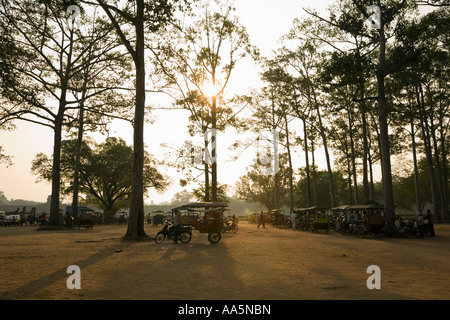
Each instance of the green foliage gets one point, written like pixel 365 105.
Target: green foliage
pixel 322 189
pixel 256 186
pixel 3 199
pixel 222 189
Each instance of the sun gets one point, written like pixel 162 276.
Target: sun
pixel 210 90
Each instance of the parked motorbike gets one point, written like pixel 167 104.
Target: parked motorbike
pixel 168 230
pixel 341 225
pixel 304 224
pixel 345 227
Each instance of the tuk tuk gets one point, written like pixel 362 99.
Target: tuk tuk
pixel 313 218
pixel 206 217
pixel 278 218
pixel 320 220
pixel 338 216
pixel 367 219
pixel 303 218
pixel 158 217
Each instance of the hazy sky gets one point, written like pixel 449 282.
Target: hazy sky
pixel 266 21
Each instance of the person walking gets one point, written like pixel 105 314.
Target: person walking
pixel 260 218
pixel 294 220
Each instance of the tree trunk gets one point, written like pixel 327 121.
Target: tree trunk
pixel 291 182
pixel 329 169
pixel 135 228
pixel 76 171
pixel 353 157
pixel 445 177
pixel 349 179
pixel 308 178
pixel 275 155
pixel 327 154
pixel 372 184
pixel 314 174
pixel 437 162
pixel 388 191
pixel 416 170
pixel 207 189
pixel 56 171
pixel 366 191
pixel 58 125
pixel 428 153
pixel 213 152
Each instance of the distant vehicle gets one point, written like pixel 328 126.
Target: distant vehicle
pixel 13 219
pixel 2 217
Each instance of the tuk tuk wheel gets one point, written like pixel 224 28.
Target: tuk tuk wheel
pixel 361 232
pixel 185 237
pixel 160 237
pixel 214 237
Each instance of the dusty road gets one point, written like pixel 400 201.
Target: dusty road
pixel 253 264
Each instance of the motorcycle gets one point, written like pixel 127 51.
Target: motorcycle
pixel 304 224
pixel 168 230
pixel 344 227
pixel 230 226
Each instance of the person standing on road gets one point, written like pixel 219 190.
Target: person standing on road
pixel 430 225
pixel 261 220
pixel 294 220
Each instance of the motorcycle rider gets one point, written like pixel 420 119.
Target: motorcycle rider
pixel 176 225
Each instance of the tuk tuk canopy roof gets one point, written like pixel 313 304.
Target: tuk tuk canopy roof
pixel 343 207
pixel 311 208
pixel 205 205
pixel 365 206
pixel 208 206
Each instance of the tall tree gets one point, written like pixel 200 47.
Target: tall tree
pixel 420 88
pixel 304 63
pixel 197 57
pixel 100 88
pixel 131 21
pixel 390 12
pixel 37 85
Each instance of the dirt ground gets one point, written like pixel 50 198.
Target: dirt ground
pixel 255 263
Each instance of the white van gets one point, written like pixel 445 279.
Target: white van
pixel 13 219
